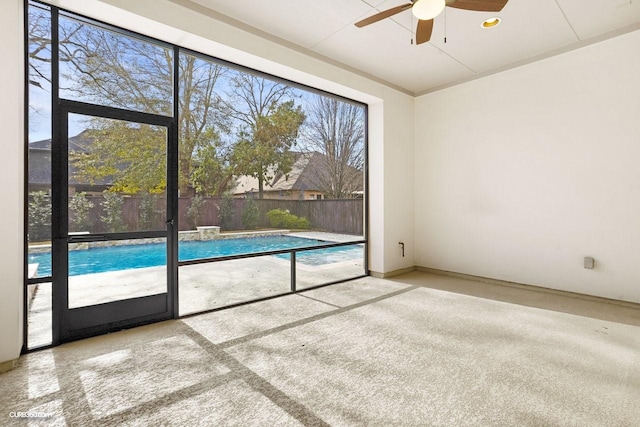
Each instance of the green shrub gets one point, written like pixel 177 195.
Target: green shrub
pixel 226 211
pixel 250 214
pixel 302 223
pixel 284 219
pixel 195 211
pixel 39 216
pixel 80 206
pixel 148 212
pixel 112 209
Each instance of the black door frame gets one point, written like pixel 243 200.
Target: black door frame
pixel 72 324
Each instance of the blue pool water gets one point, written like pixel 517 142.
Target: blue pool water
pixel 116 258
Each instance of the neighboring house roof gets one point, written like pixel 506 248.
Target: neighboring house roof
pixel 304 175
pixel 280 182
pixel 79 142
pixel 40 160
pixel 39 166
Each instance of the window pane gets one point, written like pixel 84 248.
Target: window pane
pixel 204 171
pixel 108 68
pixel 39 150
pixel 320 266
pixel 39 260
pixel 39 315
pixel 109 271
pixel 219 284
pixel 117 176
pixel 332 163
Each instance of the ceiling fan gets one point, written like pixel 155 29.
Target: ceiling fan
pixel 427 10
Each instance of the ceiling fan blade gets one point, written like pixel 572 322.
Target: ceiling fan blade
pixel 423 32
pixel 385 14
pixel 479 5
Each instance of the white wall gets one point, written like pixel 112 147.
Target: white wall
pixel 398 183
pixel 521 174
pixel 12 178
pixel 391 178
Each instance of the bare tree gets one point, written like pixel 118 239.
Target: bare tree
pixel 113 69
pixel 39 63
pixel 335 130
pixel 202 119
pixel 39 24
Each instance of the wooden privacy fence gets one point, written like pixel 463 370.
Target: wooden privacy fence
pixel 337 216
pixel 344 216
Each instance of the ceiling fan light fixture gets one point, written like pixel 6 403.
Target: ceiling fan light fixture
pixel 427 9
pixel 491 22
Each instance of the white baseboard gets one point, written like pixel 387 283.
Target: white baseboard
pixel 8 365
pixel 393 273
pixel 526 286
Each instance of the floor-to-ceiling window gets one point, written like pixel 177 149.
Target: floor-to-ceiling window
pixel 164 182
pixel 100 236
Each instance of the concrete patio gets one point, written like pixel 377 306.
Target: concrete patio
pixel 419 349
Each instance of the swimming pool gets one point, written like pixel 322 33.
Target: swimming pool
pixel 114 258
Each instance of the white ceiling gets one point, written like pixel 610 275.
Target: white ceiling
pixel 530 30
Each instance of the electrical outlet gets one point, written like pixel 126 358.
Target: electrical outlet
pixel 589 263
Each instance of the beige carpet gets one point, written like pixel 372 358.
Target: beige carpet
pixel 412 351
